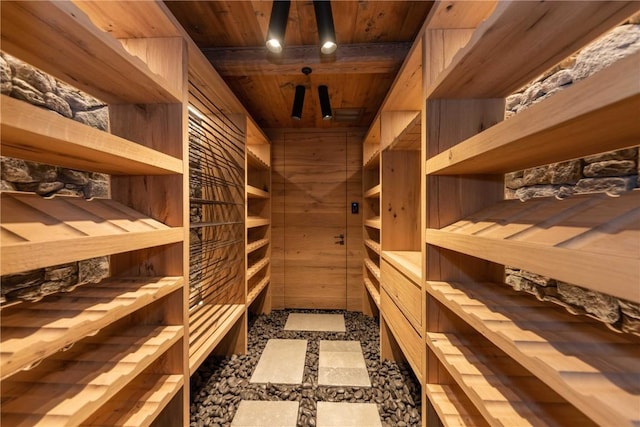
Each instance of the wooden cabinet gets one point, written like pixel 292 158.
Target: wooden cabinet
pixel 491 355
pixel 111 353
pixel 258 220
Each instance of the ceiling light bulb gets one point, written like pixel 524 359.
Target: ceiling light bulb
pixel 328 47
pixel 274 46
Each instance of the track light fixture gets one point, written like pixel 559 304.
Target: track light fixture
pixel 326 30
pixel 298 101
pixel 325 103
pixel 277 25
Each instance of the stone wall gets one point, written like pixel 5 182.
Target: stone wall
pixel 612 172
pixel 22 81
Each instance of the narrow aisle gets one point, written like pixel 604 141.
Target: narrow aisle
pixel 306 368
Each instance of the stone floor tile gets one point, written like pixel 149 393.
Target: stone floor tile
pixel 341 363
pixel 253 413
pixel 315 322
pixel 281 362
pixel 341 414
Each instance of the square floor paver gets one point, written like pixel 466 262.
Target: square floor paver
pixel 281 362
pixel 266 414
pixel 341 363
pixel 315 322
pixel 342 414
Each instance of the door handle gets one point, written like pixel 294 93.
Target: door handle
pixel 341 239
pixel 339 236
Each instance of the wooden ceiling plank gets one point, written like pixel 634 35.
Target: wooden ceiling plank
pixel 370 58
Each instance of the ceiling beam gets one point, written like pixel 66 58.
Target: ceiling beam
pixel 365 58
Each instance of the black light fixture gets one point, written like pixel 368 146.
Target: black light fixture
pixel 298 99
pixel 277 25
pixel 325 103
pixel 326 30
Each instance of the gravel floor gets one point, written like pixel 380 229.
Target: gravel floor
pixel 221 383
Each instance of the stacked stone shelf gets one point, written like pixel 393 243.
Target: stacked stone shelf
pixel 577 358
pixel 548 33
pixel 502 391
pixel 209 326
pixel 594 115
pixel 93 60
pixel 66 228
pixel 73 385
pixel 587 240
pixel 120 343
pixel 32 133
pixel 35 331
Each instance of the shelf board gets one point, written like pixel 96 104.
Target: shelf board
pixel 256 193
pixel 256 221
pixel 139 404
pixel 31 332
pixel 39 135
pixel 373 268
pixel 373 291
pixel 257 290
pixel 253 269
pixel 408 262
pixel 66 229
pixel 373 222
pixel 94 61
pixel 255 160
pixel 373 192
pixel 502 391
pixel 586 240
pixel 86 377
pixel 254 246
pixel 595 115
pixel 410 134
pixel 491 65
pixel 574 356
pixel 208 325
pixel 373 245
pixel 453 408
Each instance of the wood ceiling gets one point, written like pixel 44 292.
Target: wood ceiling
pixel 373 39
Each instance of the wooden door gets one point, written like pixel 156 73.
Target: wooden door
pixel 315 215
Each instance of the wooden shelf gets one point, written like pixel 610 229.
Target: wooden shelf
pixel 574 356
pixel 256 221
pixel 85 379
pixel 66 229
pixel 593 116
pixel 502 391
pixel 255 160
pixel 373 245
pixel 254 246
pixel 36 134
pixel 453 408
pixel 256 193
pixel 408 137
pixel 257 289
pixel 408 262
pixel 492 65
pixel 373 222
pixel 208 325
pixel 373 268
pixel 373 291
pixel 587 240
pixel 31 332
pixel 256 267
pixel 373 192
pixel 94 61
pixel 139 403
